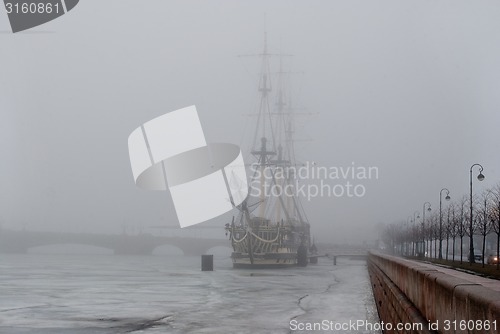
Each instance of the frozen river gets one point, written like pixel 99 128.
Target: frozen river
pixel 169 294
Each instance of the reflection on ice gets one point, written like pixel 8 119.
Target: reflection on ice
pixel 118 294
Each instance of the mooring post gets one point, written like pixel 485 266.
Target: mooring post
pixel 207 263
pixel 334 260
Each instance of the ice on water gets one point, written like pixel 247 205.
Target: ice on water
pixel 166 294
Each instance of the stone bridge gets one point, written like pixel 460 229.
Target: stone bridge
pixel 144 244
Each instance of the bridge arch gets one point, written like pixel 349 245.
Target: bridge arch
pixel 167 249
pixel 144 244
pixel 69 248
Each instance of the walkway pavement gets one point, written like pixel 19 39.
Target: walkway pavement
pixel 489 283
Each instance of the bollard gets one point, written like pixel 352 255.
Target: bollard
pixel 334 260
pixel 207 263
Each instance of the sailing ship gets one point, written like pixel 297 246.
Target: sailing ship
pixel 271 229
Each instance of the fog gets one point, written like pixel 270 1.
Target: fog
pixel 408 87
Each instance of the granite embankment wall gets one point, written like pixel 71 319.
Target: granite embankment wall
pixel 409 292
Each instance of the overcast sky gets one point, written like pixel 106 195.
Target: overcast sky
pixel 411 87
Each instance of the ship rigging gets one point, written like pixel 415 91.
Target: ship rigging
pixel 278 235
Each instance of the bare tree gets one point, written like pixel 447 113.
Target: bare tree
pixel 415 235
pixel 461 217
pixel 495 218
pixel 451 231
pixel 453 226
pixel 433 232
pixel 483 221
pixel 403 236
pixel 428 236
pixel 391 235
pixel 471 230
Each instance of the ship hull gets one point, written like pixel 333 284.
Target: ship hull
pixel 241 265
pixel 269 246
pixel 264 261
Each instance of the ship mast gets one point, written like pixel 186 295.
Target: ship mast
pixel 282 161
pixel 272 144
pixel 264 129
pixel 286 123
pixel 267 239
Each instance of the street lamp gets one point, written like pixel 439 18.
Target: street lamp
pixel 423 225
pixel 441 220
pixel 480 177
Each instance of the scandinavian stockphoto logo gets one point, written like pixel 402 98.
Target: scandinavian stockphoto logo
pixel 309 180
pixel 205 180
pixel 26 14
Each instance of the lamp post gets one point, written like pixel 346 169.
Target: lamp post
pixel 480 177
pixel 441 220
pixel 423 225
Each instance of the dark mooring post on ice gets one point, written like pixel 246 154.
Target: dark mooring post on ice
pixel 207 263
